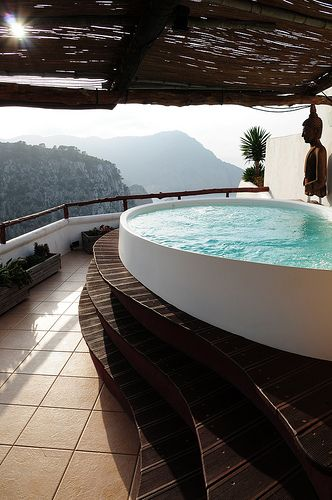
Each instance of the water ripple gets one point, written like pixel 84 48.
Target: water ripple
pixel 272 235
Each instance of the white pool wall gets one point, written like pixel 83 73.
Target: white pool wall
pixel 283 307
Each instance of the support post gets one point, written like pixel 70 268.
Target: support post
pixel 125 205
pixel 227 195
pixel 65 212
pixel 2 234
pixel 151 25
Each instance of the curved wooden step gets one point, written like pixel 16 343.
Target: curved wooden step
pixel 293 391
pixel 169 465
pixel 239 446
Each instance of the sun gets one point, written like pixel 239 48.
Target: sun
pixel 16 27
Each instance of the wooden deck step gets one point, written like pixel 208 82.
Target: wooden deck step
pixel 237 442
pixel 293 391
pixel 170 466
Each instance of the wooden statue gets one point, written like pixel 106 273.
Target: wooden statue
pixel 315 166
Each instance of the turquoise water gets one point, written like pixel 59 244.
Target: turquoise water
pixel 271 235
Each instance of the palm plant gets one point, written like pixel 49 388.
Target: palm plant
pixel 253 148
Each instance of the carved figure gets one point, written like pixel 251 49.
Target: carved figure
pixel 315 171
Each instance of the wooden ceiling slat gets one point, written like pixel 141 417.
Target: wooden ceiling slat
pixel 240 59
pixel 90 69
pixel 277 11
pixel 278 46
pixel 113 20
pixel 34 8
pixel 313 8
pixel 78 20
pixel 310 8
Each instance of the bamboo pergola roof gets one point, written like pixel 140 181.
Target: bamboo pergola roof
pixel 98 53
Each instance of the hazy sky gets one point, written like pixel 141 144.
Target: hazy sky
pixel 218 128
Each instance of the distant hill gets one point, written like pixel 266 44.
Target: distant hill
pixel 167 161
pixel 33 178
pixel 138 189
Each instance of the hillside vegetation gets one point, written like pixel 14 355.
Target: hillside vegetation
pixel 33 178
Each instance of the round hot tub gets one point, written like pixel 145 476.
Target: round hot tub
pixel 257 268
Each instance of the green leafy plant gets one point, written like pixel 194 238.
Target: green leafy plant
pixel 4 276
pixel 253 149
pixel 13 273
pixel 93 232
pixel 249 175
pixel 99 232
pixel 41 253
pixel 42 250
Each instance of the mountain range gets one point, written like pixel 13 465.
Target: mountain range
pixel 167 161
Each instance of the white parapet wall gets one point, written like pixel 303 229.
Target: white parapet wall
pixel 58 235
pixel 285 156
pixel 244 184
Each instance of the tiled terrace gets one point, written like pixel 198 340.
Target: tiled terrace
pixel 62 435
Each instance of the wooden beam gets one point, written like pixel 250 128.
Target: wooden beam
pixel 212 97
pixel 307 90
pixel 150 27
pixel 175 86
pixel 57 98
pixel 276 13
pixel 324 82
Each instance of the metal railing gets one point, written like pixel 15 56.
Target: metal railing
pixel 173 194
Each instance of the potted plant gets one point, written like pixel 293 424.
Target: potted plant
pixel 17 276
pixel 89 238
pixel 253 149
pixel 42 264
pixel 14 284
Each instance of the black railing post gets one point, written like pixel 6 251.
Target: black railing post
pixel 2 234
pixel 179 197
pixel 227 195
pixel 65 212
pixel 125 204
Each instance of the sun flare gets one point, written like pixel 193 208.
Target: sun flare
pixel 16 27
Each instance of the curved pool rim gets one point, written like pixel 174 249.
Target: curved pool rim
pixel 283 307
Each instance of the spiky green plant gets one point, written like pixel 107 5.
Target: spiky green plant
pixel 253 147
pixel 249 175
pixel 41 250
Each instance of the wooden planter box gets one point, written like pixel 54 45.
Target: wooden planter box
pixel 10 297
pixel 88 241
pixel 45 269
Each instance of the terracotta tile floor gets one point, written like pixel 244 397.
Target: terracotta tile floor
pixel 62 434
